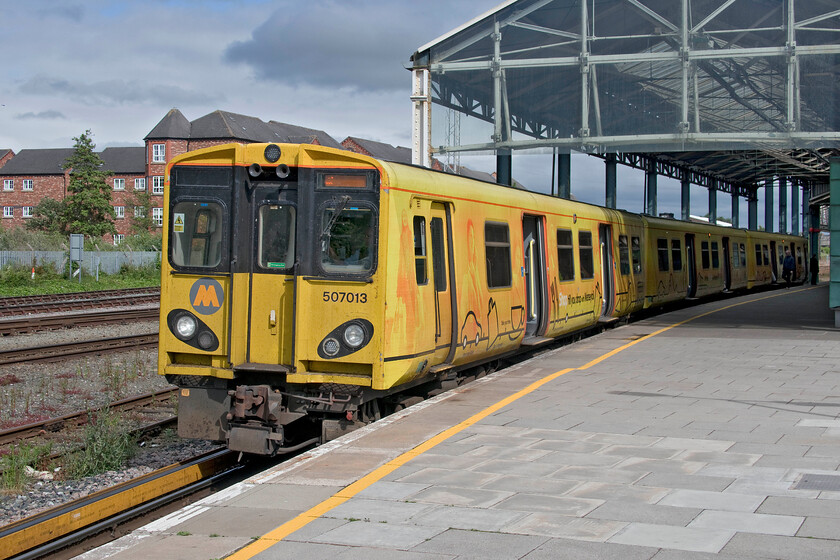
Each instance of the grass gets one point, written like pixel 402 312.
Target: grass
pixel 107 446
pixel 13 478
pixel 18 281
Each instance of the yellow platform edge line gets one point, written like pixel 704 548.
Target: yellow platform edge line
pixel 276 535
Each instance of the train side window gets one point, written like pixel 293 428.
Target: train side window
pixel 704 254
pixel 276 236
pixel 799 256
pixel 766 250
pixel 497 251
pixel 196 234
pixel 715 255
pixel 676 254
pixel 420 251
pixel 662 253
pixel 736 262
pixel 758 255
pixel 623 255
pixel 743 252
pixel 587 270
pixel 636 246
pixel 565 255
pixel 438 254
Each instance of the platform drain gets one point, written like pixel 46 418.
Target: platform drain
pixel 824 482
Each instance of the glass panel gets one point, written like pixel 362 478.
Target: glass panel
pixel 565 255
pixel 704 254
pixel 715 255
pixel 196 238
pixel 637 254
pixel 347 241
pixel 766 251
pixel 587 270
pixel 676 254
pixel 420 250
pixel 623 255
pixel 497 250
pixel 662 253
pixel 438 254
pixel 276 236
pixel 743 252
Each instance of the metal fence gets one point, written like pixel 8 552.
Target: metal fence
pixel 109 262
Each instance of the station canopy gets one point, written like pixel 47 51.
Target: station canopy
pixel 747 89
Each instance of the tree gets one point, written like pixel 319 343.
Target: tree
pixel 141 217
pixel 48 216
pixel 88 206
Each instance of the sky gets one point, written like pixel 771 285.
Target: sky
pixel 116 67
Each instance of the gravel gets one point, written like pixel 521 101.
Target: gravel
pixel 33 392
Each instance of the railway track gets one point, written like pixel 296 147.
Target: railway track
pixel 20 433
pixel 65 525
pixel 60 352
pixel 51 303
pixel 51 321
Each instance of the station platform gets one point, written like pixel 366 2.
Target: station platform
pixel 708 432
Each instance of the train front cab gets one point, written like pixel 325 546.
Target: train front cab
pixel 269 300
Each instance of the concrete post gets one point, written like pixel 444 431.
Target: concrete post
pixel 610 196
pixel 564 176
pixel 794 207
pixel 713 202
pixel 650 182
pixel 783 196
pixel 503 165
pixel 834 231
pixel 752 214
pixel 769 224
pixel 685 196
pixel 736 210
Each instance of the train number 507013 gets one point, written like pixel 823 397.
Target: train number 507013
pixel 345 297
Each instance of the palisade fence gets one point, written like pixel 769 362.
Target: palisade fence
pixel 108 262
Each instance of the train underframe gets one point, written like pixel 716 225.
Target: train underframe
pixel 256 415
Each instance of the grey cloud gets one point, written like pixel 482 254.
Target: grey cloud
pixel 116 92
pixel 363 45
pixel 43 115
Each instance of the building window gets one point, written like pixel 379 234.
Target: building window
pixel 140 184
pixel 139 212
pixel 565 255
pixel 157 184
pixel 27 211
pixel 158 153
pixel 8 211
pixel 119 184
pixel 497 251
pixel 119 212
pixel 157 216
pixel 118 238
pixel 8 184
pixel 28 184
pixel 420 251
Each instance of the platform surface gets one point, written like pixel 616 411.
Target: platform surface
pixel 712 432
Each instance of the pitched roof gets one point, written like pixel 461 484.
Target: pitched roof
pixel 233 126
pixel 173 125
pixel 301 135
pixel 380 150
pixel 51 161
pixel 124 160
pixel 48 161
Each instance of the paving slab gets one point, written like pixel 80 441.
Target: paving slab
pixel 687 445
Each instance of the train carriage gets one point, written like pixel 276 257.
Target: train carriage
pixel 307 290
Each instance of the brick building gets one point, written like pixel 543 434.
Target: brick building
pixel 31 175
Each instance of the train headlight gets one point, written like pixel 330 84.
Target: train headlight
pixel 185 326
pixel 354 335
pixel 272 153
pixel 331 347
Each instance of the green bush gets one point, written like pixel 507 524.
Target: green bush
pixel 107 447
pixel 20 239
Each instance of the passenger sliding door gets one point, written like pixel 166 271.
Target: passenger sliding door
pixel 536 293
pixel 443 289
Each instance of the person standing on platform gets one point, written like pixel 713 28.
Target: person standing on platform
pixel 815 269
pixel 788 267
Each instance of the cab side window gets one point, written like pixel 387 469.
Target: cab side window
pixel 420 251
pixel 565 255
pixel 497 253
pixel 587 270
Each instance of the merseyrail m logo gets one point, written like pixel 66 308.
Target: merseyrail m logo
pixel 207 296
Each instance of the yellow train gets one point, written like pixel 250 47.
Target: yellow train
pixel 307 290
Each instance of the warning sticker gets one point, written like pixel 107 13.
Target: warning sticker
pixel 178 224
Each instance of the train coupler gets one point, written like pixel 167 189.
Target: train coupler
pixel 257 439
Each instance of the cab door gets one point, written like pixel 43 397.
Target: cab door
pixel 272 281
pixel 444 290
